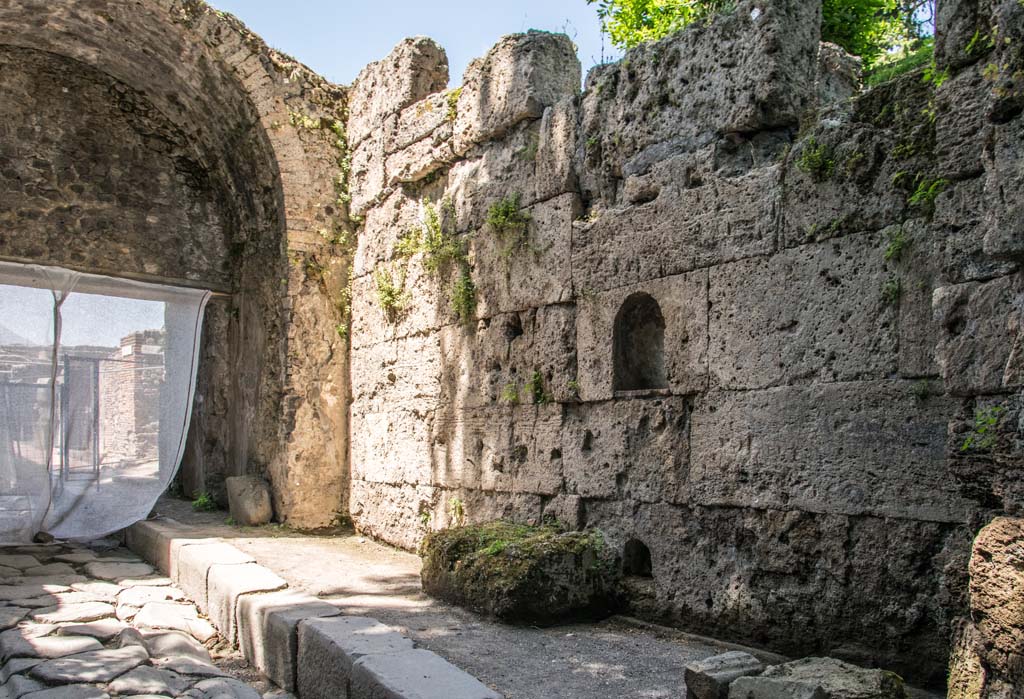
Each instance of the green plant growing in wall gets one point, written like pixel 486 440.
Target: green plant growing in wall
pixel 984 431
pixel 452 97
pixel 926 192
pixel 816 160
pixel 204 502
pixel 896 246
pixel 509 223
pixel 391 294
pixel 573 385
pixel 922 390
pixel 510 393
pixel 457 510
pixel 464 295
pixel 535 389
pixel 892 289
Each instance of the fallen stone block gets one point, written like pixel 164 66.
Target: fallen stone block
pixel 414 673
pixel 774 688
pixel 268 631
pixel 710 678
pixel 249 500
pixel 226 584
pixel 328 649
pixel 833 678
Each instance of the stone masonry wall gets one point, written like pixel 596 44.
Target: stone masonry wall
pixel 840 290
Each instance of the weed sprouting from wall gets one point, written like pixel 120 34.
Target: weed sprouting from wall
pixel 392 297
pixel 510 223
pixel 816 159
pixel 984 431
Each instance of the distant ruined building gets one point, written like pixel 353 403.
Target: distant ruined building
pixel 760 327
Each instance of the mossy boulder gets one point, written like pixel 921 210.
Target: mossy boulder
pixel 522 574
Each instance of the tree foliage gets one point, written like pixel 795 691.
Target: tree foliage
pixel 872 29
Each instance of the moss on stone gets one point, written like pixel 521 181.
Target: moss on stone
pixel 522 573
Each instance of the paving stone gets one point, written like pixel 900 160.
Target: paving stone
pixel 172 615
pixel 14 643
pixel 49 580
pixel 16 666
pixel 149 580
pixel 98 666
pixel 19 686
pixel 139 596
pixel 149 680
pixel 6 572
pixel 329 647
pixel 268 631
pixel 194 563
pixel 102 591
pixel 710 678
pixel 29 591
pixel 10 616
pixel 190 667
pixel 221 688
pixel 77 557
pixel 102 629
pixel 73 691
pixel 21 562
pixel 166 644
pixel 49 569
pixel 82 611
pixel 117 571
pixel 227 583
pixel 414 674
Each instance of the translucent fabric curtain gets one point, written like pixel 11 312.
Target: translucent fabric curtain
pixel 97 377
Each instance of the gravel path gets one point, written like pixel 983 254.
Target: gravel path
pixel 87 622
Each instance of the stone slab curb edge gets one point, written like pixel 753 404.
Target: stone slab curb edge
pixel 343 657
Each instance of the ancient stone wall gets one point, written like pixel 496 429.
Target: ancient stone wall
pixel 162 140
pixel 834 285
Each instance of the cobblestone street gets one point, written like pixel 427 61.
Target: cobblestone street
pixel 86 622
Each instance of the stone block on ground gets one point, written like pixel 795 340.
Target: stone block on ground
pixel 414 673
pixel 329 647
pixel 710 678
pixel 268 631
pixel 820 678
pixel 227 583
pixel 521 573
pixel 249 500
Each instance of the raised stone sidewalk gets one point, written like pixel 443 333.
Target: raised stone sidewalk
pixel 88 622
pixel 300 642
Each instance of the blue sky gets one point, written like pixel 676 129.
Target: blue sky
pixel 337 38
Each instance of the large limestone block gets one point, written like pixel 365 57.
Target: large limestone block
pixel 385 225
pixel 537 272
pixel 392 446
pixel 415 68
pixel 683 301
pixel 638 449
pixel 249 500
pixel 812 313
pixel 833 678
pixel 329 647
pixel 227 584
pixel 520 76
pixel 402 373
pixel 687 225
pixel 556 144
pixel 980 323
pixel 744 71
pixel 866 447
pixel 419 160
pixel 774 688
pixel 997 597
pixel 710 678
pixel 423 119
pixel 396 513
pixel 1004 168
pixel 194 563
pixel 415 673
pixel 367 174
pixel 959 230
pixel 268 631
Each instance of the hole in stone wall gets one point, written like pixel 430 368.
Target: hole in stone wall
pixel 639 345
pixel 636 560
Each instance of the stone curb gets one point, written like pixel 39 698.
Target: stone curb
pixel 342 657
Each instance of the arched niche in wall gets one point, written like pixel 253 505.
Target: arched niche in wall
pixel 639 345
pixel 636 560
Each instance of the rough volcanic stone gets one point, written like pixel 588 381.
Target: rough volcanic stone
pixel 74 691
pixel 838 679
pixel 268 631
pixel 179 617
pixel 116 571
pixel 77 557
pixel 774 688
pixel 149 680
pixel 102 629
pixel 249 500
pixel 16 666
pixel 710 678
pixel 227 584
pixel 29 591
pixel 10 616
pixel 19 686
pixel 221 688
pixel 414 673
pixel 76 612
pixel 14 643
pixel 49 569
pixel 329 647
pixel 19 561
pixel 98 666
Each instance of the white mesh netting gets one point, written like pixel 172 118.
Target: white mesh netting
pixel 96 383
